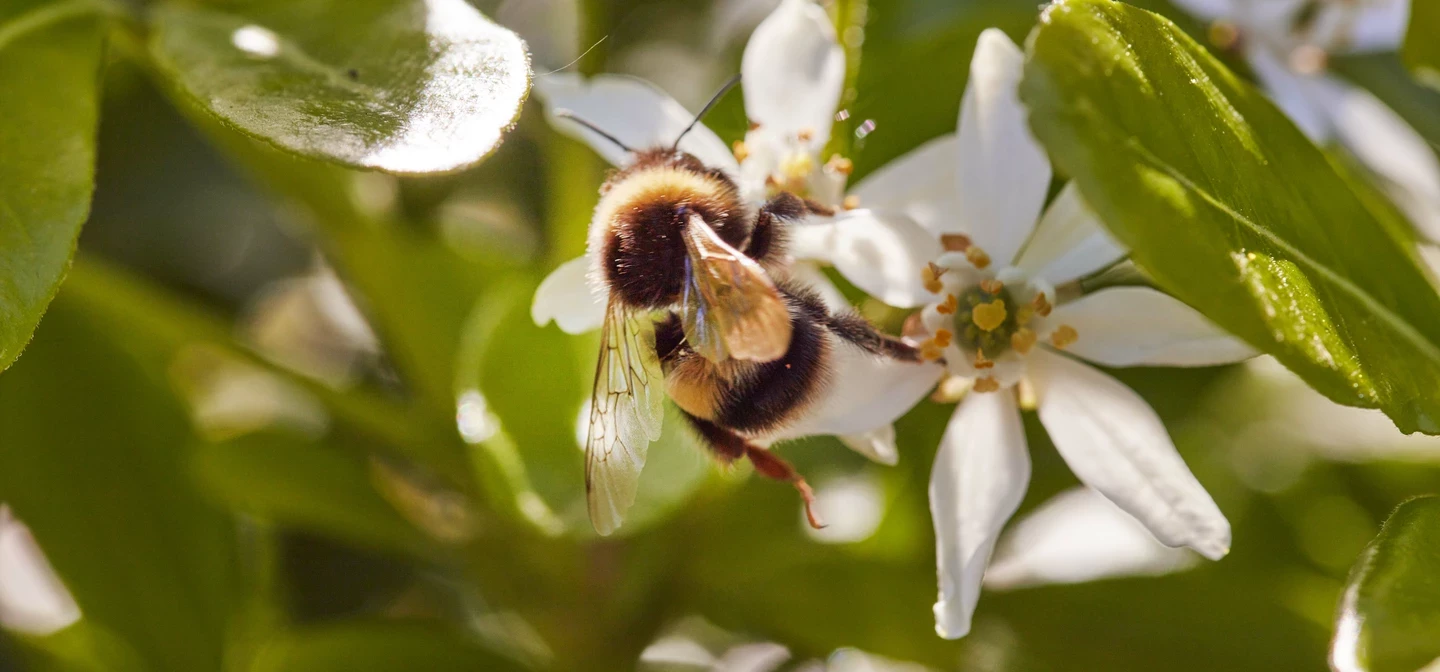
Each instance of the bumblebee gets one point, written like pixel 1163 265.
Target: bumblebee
pixel 740 348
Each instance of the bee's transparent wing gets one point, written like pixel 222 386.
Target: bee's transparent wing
pixel 626 411
pixel 730 308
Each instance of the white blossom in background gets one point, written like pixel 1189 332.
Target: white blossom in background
pixel 793 71
pixel 973 202
pixel 1288 42
pixel 32 598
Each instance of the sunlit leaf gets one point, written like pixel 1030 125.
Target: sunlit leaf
pixel 1389 618
pixel 49 76
pixel 1422 50
pixel 1229 207
pixel 405 86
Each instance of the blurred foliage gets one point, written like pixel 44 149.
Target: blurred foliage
pixel 212 504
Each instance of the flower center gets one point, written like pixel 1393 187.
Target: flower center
pixel 986 318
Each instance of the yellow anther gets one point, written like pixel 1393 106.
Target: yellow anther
pixel 983 362
pixel 955 242
pixel 840 164
pixel 1064 336
pixel 851 202
pixel 930 351
pixel 1223 34
pixel 992 286
pixel 949 306
pixel 1022 340
pixel 742 151
pixel 1041 304
pixel 951 390
pixel 930 275
pixel 943 337
pixel 986 384
pixel 805 134
pixel 914 327
pixel 754 125
pixel 989 316
pixel 797 166
pixel 1023 315
pixel 977 257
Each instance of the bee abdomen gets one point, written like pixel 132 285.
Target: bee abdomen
pixel 771 395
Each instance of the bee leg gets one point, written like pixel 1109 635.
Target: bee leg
pixel 767 240
pixel 727 446
pixel 859 332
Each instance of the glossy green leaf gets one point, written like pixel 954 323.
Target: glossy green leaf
pixel 93 457
pixel 1230 208
pixel 376 647
pixel 405 86
pixel 49 76
pixel 1389 618
pixel 1422 50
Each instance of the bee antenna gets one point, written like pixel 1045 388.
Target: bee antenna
pixel 567 114
pixel 714 99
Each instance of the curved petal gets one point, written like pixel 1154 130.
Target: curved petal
pixel 33 599
pixel 567 297
pixel 1375 25
pixel 866 393
pixel 1075 537
pixel 1391 149
pixel 882 253
pixel 1003 174
pixel 634 111
pixel 794 71
pixel 1070 242
pixel 1138 326
pixel 1208 9
pixel 1293 93
pixel 1115 443
pixel 979 478
pixel 920 184
pixel 878 445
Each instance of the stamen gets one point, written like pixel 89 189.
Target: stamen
pixel 951 390
pixel 1042 305
pixel 1022 340
pixel 1063 336
pixel 741 150
pixel 949 306
pixel 851 202
pixel 754 125
pixel 981 362
pixel 797 166
pixel 914 327
pixel 930 351
pixel 805 134
pixel 989 316
pixel 986 384
pixel 992 286
pixel 977 257
pixel 943 336
pixel 1223 34
pixel 930 275
pixel 1023 315
pixel 840 164
pixel 955 242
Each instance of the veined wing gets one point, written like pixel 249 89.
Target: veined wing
pixel 626 411
pixel 730 307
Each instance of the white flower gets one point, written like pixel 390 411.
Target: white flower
pixel 793 71
pixel 33 600
pixel 991 309
pixel 1287 44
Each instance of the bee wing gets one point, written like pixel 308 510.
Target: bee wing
pixel 730 307
pixel 626 411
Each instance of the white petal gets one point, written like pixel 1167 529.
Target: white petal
pixel 570 299
pixel 1079 536
pixel 878 445
pixel 1003 173
pixel 1294 94
pixel 866 393
pixel 1115 443
pixel 1138 326
pixel 979 478
pixel 1070 242
pixel 793 72
pixel 634 111
pixel 33 600
pixel 882 253
pixel 1390 148
pixel 1374 25
pixel 1208 9
pixel 920 184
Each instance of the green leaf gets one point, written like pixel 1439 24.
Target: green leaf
pixel 1422 51
pixel 1389 618
pixel 376 647
pixel 404 86
pixel 49 73
pixel 1230 207
pixel 93 457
